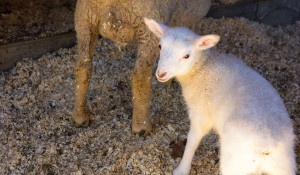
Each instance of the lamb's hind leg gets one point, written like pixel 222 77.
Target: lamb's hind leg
pixel 141 88
pixel 86 39
pixel 280 161
pixel 237 152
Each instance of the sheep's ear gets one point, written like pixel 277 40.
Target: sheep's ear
pixel 155 27
pixel 207 41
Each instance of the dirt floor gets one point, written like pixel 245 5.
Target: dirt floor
pixel 36 102
pixel 32 19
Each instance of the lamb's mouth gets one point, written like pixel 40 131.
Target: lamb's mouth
pixel 163 79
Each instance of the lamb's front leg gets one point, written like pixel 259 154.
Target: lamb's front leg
pixel 200 125
pixel 141 87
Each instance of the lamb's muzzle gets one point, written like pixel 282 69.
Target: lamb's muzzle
pixel 160 76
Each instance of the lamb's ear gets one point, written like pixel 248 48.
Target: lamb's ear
pixel 207 41
pixel 155 27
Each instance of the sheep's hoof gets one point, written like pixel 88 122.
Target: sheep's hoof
pixel 82 119
pixel 141 128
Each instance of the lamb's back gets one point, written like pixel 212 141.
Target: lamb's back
pixel 245 99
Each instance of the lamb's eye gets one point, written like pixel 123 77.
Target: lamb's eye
pixel 159 46
pixel 186 56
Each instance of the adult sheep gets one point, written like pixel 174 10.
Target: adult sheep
pixel 122 22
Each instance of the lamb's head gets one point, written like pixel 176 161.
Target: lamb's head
pixel 180 49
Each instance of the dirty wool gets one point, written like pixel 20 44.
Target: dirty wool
pixel 36 101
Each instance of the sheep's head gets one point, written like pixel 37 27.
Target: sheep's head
pixel 180 49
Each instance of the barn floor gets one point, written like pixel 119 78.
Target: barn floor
pixel 36 101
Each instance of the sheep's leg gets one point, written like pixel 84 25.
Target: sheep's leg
pixel 86 38
pixel 199 127
pixel 141 88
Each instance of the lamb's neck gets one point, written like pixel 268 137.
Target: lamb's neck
pixel 198 84
pixel 188 78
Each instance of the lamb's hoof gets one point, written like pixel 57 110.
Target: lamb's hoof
pixel 182 170
pixel 141 128
pixel 82 119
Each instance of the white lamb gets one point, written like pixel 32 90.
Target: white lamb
pixel 224 94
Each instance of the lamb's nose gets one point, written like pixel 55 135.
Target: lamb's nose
pixel 161 74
